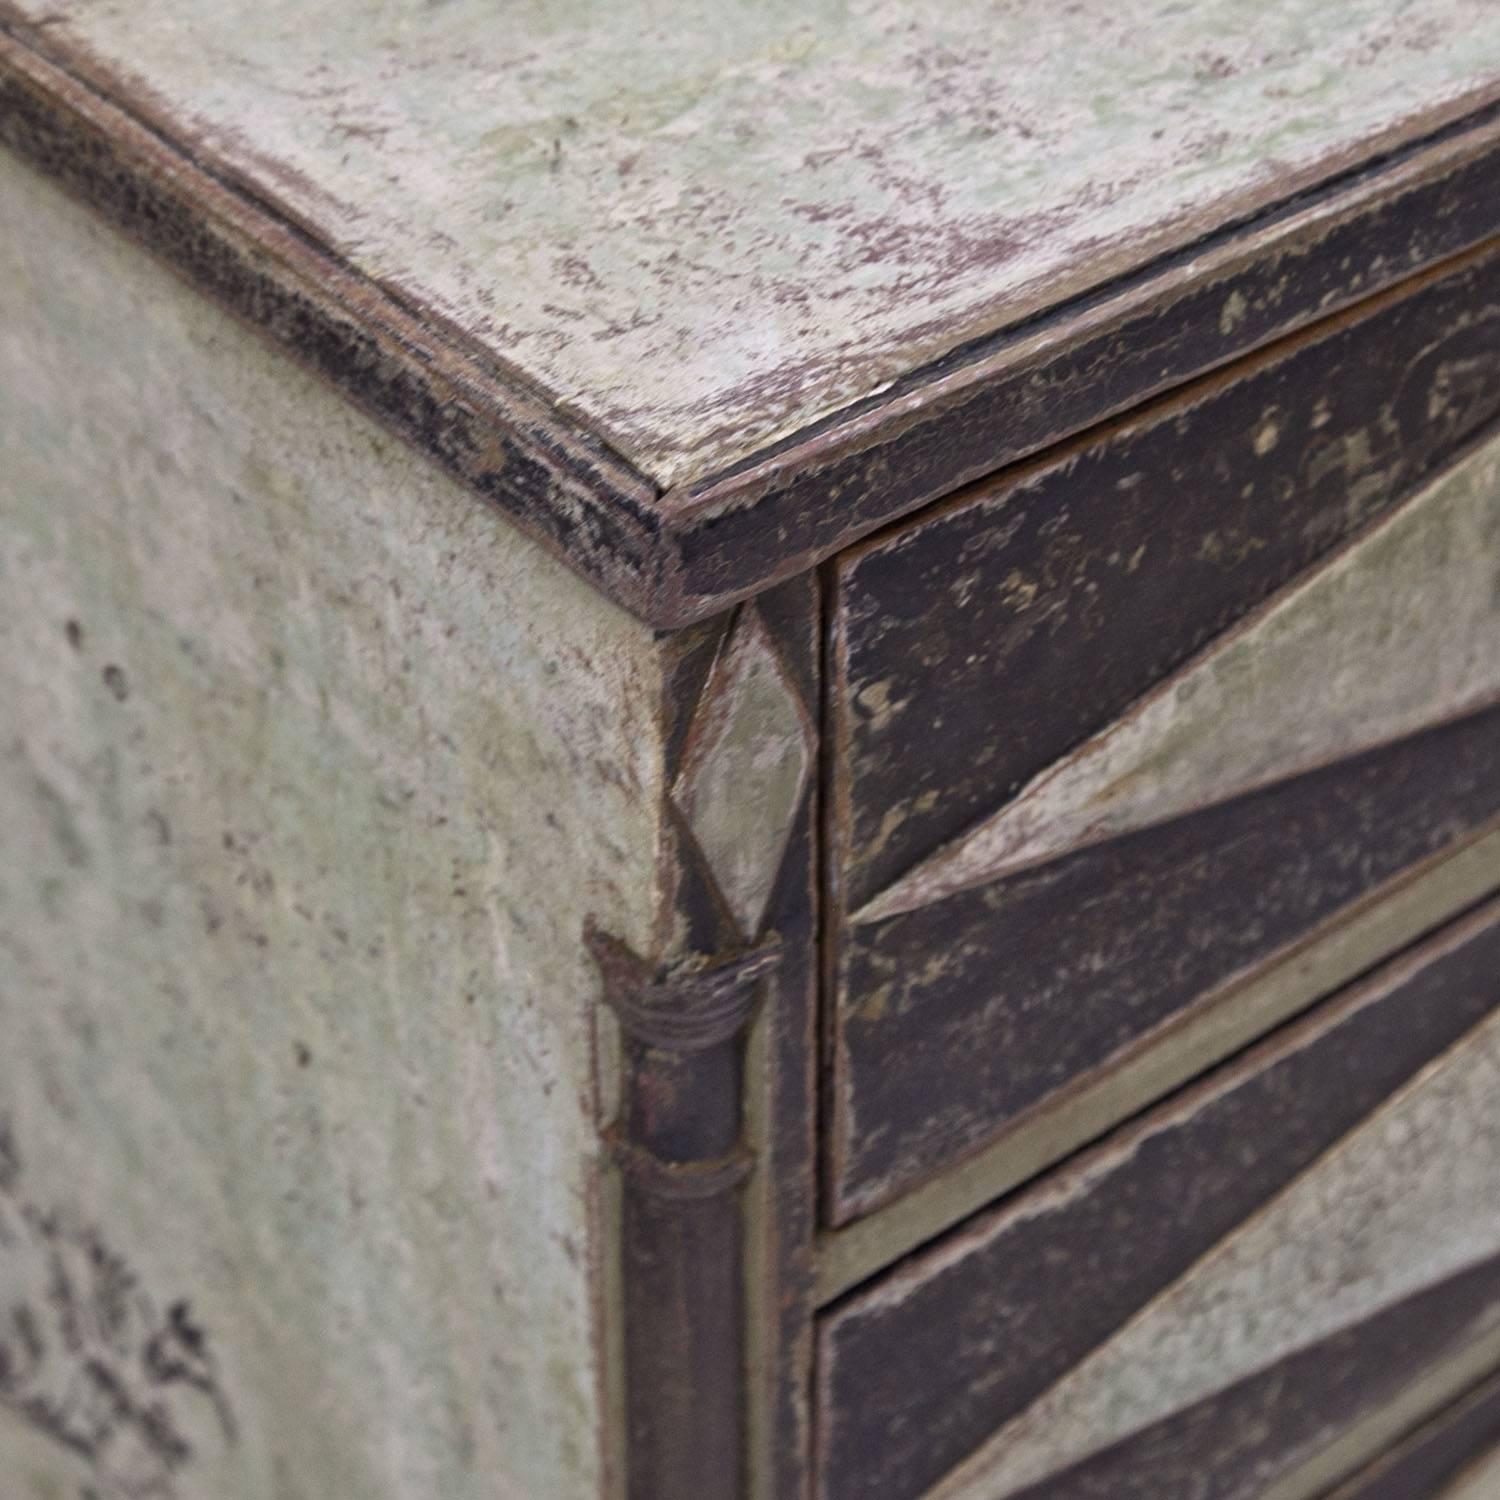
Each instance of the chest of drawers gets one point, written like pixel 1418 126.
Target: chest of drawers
pixel 749 753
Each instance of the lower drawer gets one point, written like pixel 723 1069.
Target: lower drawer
pixel 1442 1459
pixel 1303 1244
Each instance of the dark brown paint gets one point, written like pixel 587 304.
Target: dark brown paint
pixel 1434 1454
pixel 977 645
pixel 1234 1445
pixel 955 1019
pixel 917 1372
pixel 686 555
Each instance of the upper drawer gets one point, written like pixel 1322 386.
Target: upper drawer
pixel 1291 1250
pixel 1120 726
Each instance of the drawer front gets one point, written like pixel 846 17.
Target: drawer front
pixel 1442 1451
pixel 1295 1248
pixel 1115 730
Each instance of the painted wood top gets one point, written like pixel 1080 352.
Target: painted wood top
pixel 694 231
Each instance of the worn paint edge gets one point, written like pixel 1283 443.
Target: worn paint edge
pixel 1425 1398
pixel 658 554
pixel 416 375
pixel 1429 1435
pixel 955 868
pixel 861 455
pixel 1331 956
pixel 959 1482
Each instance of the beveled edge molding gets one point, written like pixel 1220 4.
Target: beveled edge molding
pixel 685 1007
pixel 1331 956
pixel 678 1143
pixel 679 555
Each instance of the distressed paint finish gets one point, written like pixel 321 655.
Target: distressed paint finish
pixel 1263 1438
pixel 1425 1459
pixel 1396 633
pixel 1480 1482
pixel 750 751
pixel 310 772
pixel 1106 567
pixel 715 227
pixel 1416 904
pixel 713 1132
pixel 998 999
pixel 917 1372
pixel 1401 1205
pixel 702 546
pixel 1108 564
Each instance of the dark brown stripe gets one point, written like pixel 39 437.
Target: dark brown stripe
pixel 985 406
pixel 1434 1454
pixel 1234 1445
pixel 718 1295
pixel 998 997
pixel 979 645
pixel 404 367
pixel 782 1294
pixel 915 1373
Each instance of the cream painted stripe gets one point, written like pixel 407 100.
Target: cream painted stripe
pixel 1481 1482
pixel 1399 1205
pixel 1397 632
pixel 1394 916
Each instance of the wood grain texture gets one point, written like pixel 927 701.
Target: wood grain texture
pixel 310 770
pixel 305 264
pixel 916 1372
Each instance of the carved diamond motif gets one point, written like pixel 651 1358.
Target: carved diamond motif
pixel 749 755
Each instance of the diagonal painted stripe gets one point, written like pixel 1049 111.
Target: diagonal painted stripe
pixel 1400 631
pixel 1404 1202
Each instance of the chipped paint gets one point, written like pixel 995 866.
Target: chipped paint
pixel 310 770
pixel 703 228
pixel 1397 633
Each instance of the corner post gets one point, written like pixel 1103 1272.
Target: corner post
pixel 678 1144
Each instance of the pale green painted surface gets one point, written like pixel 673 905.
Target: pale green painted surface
pixel 701 225
pixel 298 829
pixel 1397 633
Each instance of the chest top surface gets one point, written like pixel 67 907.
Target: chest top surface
pixel 694 230
pixel 700 226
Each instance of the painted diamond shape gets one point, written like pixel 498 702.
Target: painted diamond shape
pixel 749 755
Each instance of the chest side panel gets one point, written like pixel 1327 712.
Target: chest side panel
pixel 311 770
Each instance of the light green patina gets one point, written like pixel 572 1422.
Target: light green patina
pixel 1395 634
pixel 697 227
pixel 310 770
